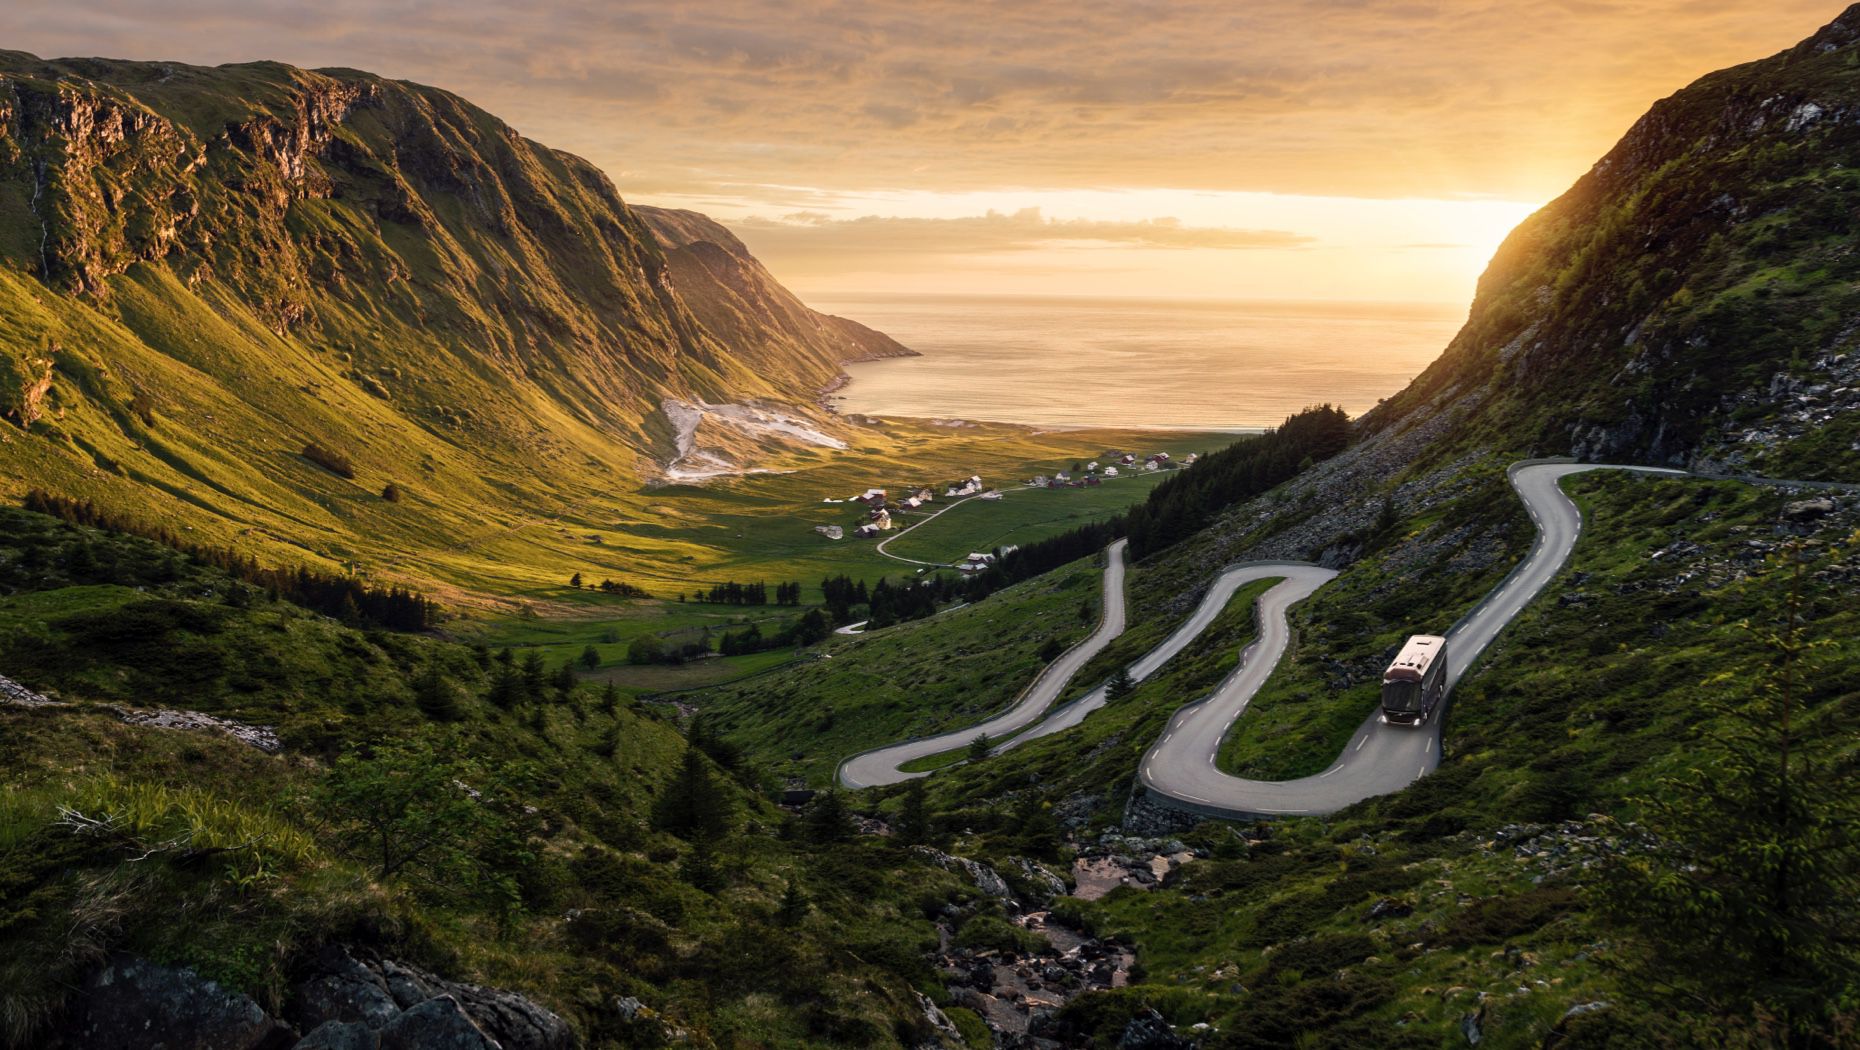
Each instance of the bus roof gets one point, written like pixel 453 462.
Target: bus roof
pixel 1416 656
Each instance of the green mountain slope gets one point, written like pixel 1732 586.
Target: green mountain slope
pixel 204 270
pixel 1691 298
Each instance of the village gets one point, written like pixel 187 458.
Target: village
pixel 882 514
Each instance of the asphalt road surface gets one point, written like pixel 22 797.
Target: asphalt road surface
pixel 881 766
pixel 1380 757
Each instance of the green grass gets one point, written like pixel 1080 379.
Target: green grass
pixel 1020 516
pixel 914 679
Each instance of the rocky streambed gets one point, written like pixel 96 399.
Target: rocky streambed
pixel 1017 991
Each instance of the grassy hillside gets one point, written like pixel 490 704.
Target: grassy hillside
pixel 1484 877
pixel 558 878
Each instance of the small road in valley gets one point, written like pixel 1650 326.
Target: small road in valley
pixel 1181 768
pixel 1380 757
pixel 878 767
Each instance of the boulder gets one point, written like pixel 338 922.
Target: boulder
pixel 342 988
pixel 130 1002
pixel 436 1024
pixel 1808 509
pixel 340 1035
pixel 1148 1031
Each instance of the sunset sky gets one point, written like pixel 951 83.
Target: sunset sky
pixel 1332 149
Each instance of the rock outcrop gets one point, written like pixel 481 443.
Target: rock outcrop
pixel 346 1001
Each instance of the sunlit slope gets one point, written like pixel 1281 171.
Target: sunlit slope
pixel 1689 300
pixel 204 270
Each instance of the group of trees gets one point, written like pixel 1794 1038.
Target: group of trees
pixel 528 680
pixel 346 598
pixel 750 594
pixel 1183 502
pixel 620 590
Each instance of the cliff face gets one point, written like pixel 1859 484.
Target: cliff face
pixel 1692 299
pixel 203 270
pixel 741 302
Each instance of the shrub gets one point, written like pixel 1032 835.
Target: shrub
pixel 334 462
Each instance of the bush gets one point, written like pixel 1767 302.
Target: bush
pixel 334 462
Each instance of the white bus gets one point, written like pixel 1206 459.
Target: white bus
pixel 1415 682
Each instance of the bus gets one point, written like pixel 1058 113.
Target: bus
pixel 1415 682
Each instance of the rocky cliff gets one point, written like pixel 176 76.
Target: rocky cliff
pixel 1691 299
pixel 743 304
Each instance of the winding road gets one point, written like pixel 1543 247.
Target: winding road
pixel 1181 767
pixel 873 768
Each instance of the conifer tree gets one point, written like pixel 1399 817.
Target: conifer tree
pixel 693 806
pixel 827 819
pixel 1120 685
pixel 700 869
pixel 979 747
pixel 913 827
pixel 535 675
pixel 793 907
pixel 590 658
pixel 435 696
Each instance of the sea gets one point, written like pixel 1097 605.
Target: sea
pixel 1138 363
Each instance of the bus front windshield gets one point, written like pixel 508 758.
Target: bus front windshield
pixel 1401 696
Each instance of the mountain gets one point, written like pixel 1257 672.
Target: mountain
pixel 1691 299
pixel 204 271
pixel 743 305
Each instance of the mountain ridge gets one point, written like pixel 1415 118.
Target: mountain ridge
pixel 204 270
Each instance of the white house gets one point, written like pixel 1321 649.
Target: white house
pixel 911 503
pixel 1110 472
pixel 1149 464
pixel 1038 481
pixel 832 532
pixel 1189 460
pixel 881 519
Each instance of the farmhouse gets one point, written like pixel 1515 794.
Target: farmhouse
pixel 866 531
pixel 1110 472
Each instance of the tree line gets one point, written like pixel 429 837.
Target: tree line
pixel 733 593
pixel 1184 502
pixel 343 597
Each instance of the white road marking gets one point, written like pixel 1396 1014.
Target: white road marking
pixel 1429 749
pixel 1360 743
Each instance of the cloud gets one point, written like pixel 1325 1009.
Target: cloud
pixel 849 240
pixel 1384 98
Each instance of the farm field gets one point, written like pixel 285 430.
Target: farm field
pixel 1021 515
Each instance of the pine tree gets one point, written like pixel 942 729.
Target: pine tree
pixel 506 687
pixel 693 806
pixel 610 699
pixel 700 869
pixel 793 907
pixel 1121 685
pixel 565 680
pixel 435 696
pixel 913 826
pixel 590 658
pixel 535 675
pixel 979 747
pixel 827 819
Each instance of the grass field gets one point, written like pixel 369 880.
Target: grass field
pixel 1020 516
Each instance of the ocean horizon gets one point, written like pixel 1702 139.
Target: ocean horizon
pixel 1188 364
